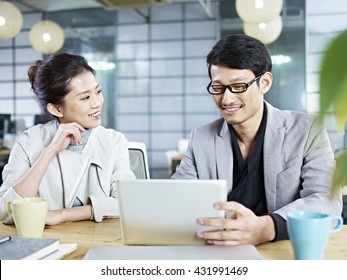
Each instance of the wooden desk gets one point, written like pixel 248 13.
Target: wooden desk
pixel 5 152
pixel 4 155
pixel 90 234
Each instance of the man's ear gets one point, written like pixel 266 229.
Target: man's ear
pixel 55 110
pixel 266 82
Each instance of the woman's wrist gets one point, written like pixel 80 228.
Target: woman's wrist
pixel 92 213
pixel 49 151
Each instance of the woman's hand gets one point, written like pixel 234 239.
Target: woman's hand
pixel 63 136
pixel 54 217
pixel 241 226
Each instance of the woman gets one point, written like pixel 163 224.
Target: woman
pixel 72 160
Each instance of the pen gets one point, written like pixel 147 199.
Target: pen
pixel 5 239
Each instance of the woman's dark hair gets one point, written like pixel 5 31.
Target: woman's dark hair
pixel 239 51
pixel 50 79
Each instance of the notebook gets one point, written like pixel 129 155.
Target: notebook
pixel 164 212
pixel 20 248
pixel 238 252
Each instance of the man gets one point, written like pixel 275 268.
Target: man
pixel 274 161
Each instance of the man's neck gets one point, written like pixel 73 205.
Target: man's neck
pixel 246 132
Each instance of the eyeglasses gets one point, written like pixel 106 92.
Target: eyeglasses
pixel 234 88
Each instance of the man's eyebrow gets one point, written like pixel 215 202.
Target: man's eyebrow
pixel 232 81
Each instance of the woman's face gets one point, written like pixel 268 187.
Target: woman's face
pixel 84 102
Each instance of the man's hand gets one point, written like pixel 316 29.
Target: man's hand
pixel 241 226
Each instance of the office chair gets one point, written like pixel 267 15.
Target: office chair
pixel 138 160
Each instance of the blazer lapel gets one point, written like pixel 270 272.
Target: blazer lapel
pixel 274 135
pixel 224 155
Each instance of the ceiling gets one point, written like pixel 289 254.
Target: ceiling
pixel 54 5
pixel 61 5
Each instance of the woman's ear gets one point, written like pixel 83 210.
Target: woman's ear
pixel 266 82
pixel 55 110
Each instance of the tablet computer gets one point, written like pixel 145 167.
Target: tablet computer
pixel 164 211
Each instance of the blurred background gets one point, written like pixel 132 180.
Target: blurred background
pixel 150 61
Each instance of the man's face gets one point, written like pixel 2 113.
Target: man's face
pixel 244 108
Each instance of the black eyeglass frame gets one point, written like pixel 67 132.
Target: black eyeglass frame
pixel 229 87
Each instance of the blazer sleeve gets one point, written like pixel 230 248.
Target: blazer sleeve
pixel 18 164
pixel 187 169
pixel 316 171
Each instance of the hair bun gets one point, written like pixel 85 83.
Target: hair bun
pixel 32 73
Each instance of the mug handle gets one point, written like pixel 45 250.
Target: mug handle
pixel 8 219
pixel 8 207
pixel 338 225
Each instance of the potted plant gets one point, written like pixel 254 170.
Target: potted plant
pixel 333 97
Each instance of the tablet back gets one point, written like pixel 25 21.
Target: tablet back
pixel 164 212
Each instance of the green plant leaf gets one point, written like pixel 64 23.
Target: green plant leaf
pixel 340 174
pixel 340 105
pixel 333 95
pixel 333 85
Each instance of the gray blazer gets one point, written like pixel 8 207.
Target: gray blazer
pixel 298 161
